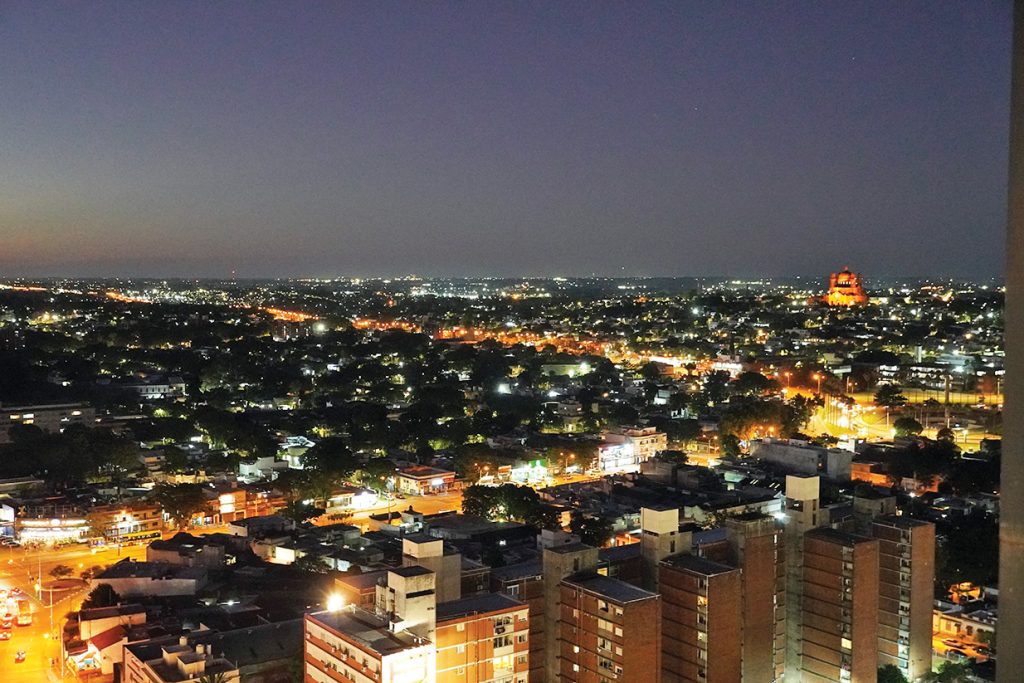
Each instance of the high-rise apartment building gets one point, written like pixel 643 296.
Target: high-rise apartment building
pixel 609 631
pixel 906 588
pixel 560 562
pixel 483 639
pixel 803 511
pixel 352 644
pixel 757 548
pixel 701 621
pixel 660 538
pixel 525 582
pixel 839 607
pixel 429 552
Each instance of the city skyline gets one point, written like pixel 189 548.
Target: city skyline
pixel 662 140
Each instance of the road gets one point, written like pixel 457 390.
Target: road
pixel 868 421
pixel 940 648
pixel 19 568
pixel 450 501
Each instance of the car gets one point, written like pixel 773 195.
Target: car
pixel 952 642
pixel 985 651
pixel 957 655
pixel 5 635
pixel 20 657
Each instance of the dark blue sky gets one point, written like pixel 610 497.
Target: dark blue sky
pixel 336 138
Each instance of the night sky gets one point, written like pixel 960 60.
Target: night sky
pixel 503 138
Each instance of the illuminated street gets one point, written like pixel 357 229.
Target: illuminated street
pixel 17 567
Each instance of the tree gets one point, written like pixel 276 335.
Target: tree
pixel 945 434
pixel 730 446
pixel 949 672
pixel 594 531
pixel 180 502
pixel 330 456
pixel 508 502
pixel 890 396
pixel 61 570
pixel 715 388
pixel 101 596
pixel 114 456
pixel 890 673
pixel 91 572
pixel 672 457
pixel 175 459
pixel 907 426
pixel 311 563
pixel 299 512
pixel 651 371
pixel 753 383
pixel 969 552
pixel 376 474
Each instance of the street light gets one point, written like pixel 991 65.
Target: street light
pixel 335 602
pixel 817 376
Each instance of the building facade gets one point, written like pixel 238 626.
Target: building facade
pixel 839 639
pixel 701 621
pixel 906 589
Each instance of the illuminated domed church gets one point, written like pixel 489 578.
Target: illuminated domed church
pixel 844 289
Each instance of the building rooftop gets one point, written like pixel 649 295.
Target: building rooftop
pixel 244 646
pixel 901 521
pixel 367 630
pixel 362 581
pixel 569 548
pixel 149 570
pixel 411 570
pixel 612 589
pixel 476 604
pixel 424 472
pixel 698 565
pixel 107 638
pixel 619 553
pixel 840 537
pixel 106 612
pixel 518 571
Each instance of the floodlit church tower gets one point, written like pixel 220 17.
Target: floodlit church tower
pixel 845 289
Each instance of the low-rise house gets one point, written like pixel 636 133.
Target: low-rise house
pixel 351 499
pixel 801 457
pixel 185 550
pixel 257 527
pixel 974 623
pixel 130 523
pixel 257 654
pixel 92 622
pixel 51 418
pixel 266 467
pixel 420 480
pixel 134 579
